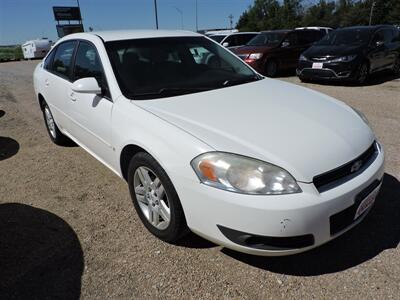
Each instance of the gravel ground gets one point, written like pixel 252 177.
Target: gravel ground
pixel 68 228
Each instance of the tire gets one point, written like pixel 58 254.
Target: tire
pixel 271 68
pixel 156 198
pixel 52 129
pixel 303 79
pixel 396 67
pixel 362 73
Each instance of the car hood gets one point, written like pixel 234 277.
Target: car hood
pixel 340 50
pixel 300 130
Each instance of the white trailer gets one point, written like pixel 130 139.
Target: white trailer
pixel 36 48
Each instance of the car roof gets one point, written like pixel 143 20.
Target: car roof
pixel 116 35
pixel 278 30
pixel 374 27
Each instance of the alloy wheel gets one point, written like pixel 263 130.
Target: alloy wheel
pixel 50 122
pixel 152 198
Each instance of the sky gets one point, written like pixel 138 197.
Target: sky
pixel 22 20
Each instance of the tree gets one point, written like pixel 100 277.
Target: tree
pixel 274 14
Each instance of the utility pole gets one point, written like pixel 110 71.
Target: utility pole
pixel 197 24
pixel 181 13
pixel 372 12
pixel 230 17
pixel 77 2
pixel 155 10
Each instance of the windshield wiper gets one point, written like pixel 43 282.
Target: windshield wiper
pixel 169 92
pixel 242 80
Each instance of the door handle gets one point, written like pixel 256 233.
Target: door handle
pixel 72 96
pixel 46 82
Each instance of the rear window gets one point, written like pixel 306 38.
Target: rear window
pixel 217 38
pixel 267 39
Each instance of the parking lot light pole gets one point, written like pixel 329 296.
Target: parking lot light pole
pixel 181 13
pixel 155 10
pixel 197 26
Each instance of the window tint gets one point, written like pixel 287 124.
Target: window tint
pixel 87 64
pixel 156 68
pixel 48 61
pixel 231 40
pixel 396 36
pixel 309 37
pixel 378 37
pixel 292 39
pixel 63 59
pixel 387 35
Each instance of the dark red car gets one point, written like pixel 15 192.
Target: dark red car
pixel 273 51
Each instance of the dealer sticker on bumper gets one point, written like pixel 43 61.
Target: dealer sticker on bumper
pixel 317 65
pixel 367 203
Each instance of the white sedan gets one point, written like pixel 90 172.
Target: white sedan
pixel 254 164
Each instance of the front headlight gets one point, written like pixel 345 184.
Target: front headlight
pixel 362 116
pixel 344 58
pixel 242 174
pixel 303 58
pixel 255 56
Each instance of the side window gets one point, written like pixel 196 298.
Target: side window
pixel 63 59
pixel 87 64
pixel 49 60
pixel 387 35
pixel 292 39
pixel 245 38
pixel 231 40
pixel 378 37
pixel 396 36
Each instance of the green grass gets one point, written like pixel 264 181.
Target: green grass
pixel 11 53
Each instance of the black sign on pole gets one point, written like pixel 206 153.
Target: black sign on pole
pixel 68 13
pixel 63 30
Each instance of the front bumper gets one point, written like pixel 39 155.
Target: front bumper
pixel 329 71
pixel 284 217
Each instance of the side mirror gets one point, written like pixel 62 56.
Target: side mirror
pixel 379 43
pixel 285 44
pixel 87 85
pixel 225 44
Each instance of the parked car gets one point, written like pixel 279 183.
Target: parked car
pixel 257 165
pixel 352 53
pixel 324 30
pixel 233 40
pixel 277 50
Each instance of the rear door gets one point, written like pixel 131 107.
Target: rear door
pixel 91 114
pixel 57 80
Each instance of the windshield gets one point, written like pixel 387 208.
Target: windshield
pixel 345 37
pixel 164 67
pixel 267 39
pixel 217 38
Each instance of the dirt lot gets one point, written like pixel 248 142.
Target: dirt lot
pixel 68 228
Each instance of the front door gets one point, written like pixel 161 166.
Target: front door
pixel 91 114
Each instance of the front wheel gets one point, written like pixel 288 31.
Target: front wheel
pixel 271 68
pixel 396 67
pixel 155 199
pixel 362 74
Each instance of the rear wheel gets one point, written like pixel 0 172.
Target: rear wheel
pixel 52 129
pixel 155 198
pixel 271 68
